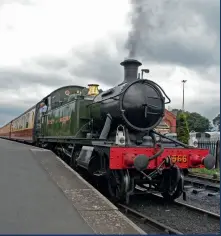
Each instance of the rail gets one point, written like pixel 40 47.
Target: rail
pixel 145 219
pixel 203 183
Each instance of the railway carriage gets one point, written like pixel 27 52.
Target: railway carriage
pixel 22 127
pixel 105 133
pixel 5 131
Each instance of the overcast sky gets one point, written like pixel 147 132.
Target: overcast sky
pixel 46 44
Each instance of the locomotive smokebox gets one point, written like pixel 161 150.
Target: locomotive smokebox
pixel 130 69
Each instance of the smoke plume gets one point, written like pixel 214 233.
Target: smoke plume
pixel 146 16
pixel 134 34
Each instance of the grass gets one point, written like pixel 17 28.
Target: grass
pixel 204 171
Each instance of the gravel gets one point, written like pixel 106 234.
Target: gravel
pixel 181 219
pixel 202 200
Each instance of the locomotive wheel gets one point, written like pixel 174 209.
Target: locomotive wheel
pixel 118 184
pixel 168 196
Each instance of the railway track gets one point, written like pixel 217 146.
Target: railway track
pixel 199 183
pixel 153 224
pixel 171 218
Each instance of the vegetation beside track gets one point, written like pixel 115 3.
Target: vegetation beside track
pixel 215 173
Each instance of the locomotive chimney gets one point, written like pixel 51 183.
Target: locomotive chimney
pixel 130 69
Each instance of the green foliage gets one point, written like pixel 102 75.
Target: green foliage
pixel 182 128
pixel 204 171
pixel 216 121
pixel 196 122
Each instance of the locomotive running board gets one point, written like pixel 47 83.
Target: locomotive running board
pixel 71 140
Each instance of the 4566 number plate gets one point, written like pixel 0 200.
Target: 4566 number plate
pixel 179 158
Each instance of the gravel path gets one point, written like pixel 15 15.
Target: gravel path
pixel 179 218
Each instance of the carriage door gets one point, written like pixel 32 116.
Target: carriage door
pixel 38 120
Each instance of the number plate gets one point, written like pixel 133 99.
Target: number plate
pixel 179 158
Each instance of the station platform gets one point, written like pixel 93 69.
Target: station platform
pixel 40 194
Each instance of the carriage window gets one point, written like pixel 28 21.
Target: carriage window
pixel 27 120
pixel 33 116
pixel 23 122
pixel 19 123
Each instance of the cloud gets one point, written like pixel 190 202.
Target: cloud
pixel 52 44
pixel 23 2
pixel 177 32
pixel 18 77
pixel 52 62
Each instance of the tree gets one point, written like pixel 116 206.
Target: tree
pixel 196 122
pixel 216 121
pixel 182 128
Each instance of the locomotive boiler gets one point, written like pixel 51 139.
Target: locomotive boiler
pixel 105 133
pixel 136 104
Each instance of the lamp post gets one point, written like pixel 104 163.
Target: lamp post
pixel 183 81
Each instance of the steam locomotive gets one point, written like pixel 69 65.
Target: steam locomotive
pixel 106 133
